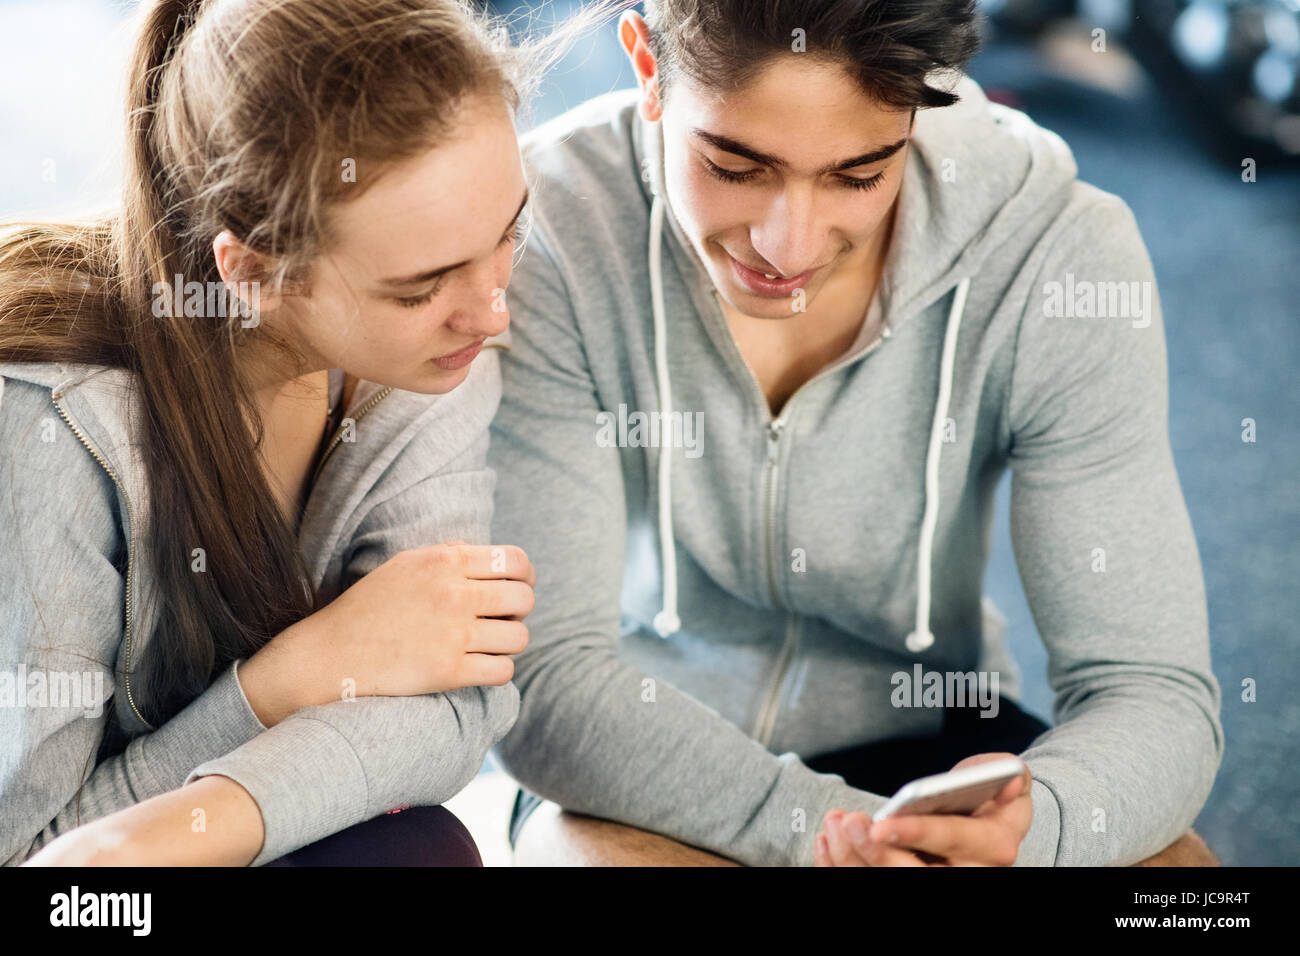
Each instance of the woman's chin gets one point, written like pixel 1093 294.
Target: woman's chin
pixel 441 380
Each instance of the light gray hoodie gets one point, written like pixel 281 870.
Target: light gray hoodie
pixel 708 614
pixel 78 597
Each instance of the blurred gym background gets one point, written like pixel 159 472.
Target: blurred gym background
pixel 1190 111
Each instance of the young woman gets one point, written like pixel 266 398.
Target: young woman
pixel 248 597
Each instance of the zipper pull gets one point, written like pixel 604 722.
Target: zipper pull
pixel 773 436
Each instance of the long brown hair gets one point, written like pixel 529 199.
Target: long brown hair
pixel 240 115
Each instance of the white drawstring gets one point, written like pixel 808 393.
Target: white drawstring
pixel 666 622
pixel 922 637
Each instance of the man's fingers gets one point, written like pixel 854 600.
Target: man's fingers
pixel 892 856
pixel 945 835
pixel 491 636
pixel 839 842
pixel 850 844
pixel 821 851
pixel 1015 788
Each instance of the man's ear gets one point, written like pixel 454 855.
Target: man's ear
pixel 634 36
pixel 237 263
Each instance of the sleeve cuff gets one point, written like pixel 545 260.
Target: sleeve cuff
pixel 307 782
pixel 213 724
pixel 818 794
pixel 1043 841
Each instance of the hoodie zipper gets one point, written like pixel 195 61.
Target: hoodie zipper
pixel 130 517
pixel 766 721
pixel 57 398
pixel 338 432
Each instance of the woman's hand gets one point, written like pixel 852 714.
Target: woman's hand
pixel 991 836
pixel 425 621
pixel 211 822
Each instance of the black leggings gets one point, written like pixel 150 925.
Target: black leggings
pixel 415 836
pixel 883 767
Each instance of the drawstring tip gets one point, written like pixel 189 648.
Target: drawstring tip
pixel 667 624
pixel 919 641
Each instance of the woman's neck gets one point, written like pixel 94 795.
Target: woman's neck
pixel 294 416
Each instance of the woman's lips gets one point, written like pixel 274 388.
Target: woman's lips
pixel 458 359
pixel 759 284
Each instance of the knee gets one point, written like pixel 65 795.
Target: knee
pixel 550 837
pixel 1188 850
pixel 414 836
pixel 555 837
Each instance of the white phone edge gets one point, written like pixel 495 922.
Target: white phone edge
pixel 1010 767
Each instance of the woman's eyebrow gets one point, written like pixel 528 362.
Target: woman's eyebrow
pixel 729 145
pixel 442 270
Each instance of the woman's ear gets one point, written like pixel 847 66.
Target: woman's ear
pixel 634 36
pixel 240 266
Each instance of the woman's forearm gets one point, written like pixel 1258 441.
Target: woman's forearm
pixel 210 822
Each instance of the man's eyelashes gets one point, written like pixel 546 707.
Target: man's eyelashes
pixel 515 234
pixel 731 176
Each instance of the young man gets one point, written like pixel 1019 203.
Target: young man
pixel 785 315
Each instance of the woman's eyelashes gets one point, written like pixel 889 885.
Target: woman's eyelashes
pixel 733 176
pixel 415 301
pixel 513 235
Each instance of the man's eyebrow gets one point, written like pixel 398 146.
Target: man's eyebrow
pixel 442 270
pixel 729 145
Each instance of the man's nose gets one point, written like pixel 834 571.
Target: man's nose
pixel 789 235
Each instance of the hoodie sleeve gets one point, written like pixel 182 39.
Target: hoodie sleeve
pixel 328 767
pixel 586 737
pixel 1107 556
pixel 61 592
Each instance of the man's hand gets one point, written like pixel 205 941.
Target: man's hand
pixel 990 836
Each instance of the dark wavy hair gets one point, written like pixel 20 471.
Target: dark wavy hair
pixel 891 47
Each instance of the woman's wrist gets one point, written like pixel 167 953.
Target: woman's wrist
pixel 277 679
pixel 231 819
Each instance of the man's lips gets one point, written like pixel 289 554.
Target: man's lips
pixel 459 359
pixel 758 283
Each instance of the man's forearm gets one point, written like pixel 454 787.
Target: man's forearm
pixel 590 739
pixel 1131 768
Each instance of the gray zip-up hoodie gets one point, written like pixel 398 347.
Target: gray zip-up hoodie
pixel 721 592
pixel 78 597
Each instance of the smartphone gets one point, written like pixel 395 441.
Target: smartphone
pixel 957 791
